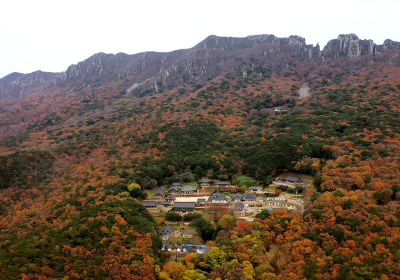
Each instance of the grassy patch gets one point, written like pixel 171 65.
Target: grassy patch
pixel 150 193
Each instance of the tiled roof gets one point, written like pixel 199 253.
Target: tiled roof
pixel 174 188
pixel 188 188
pixel 167 229
pixel 218 196
pixel 238 207
pixel 293 179
pixel 191 205
pixel 243 197
pixel 289 178
pixel 222 183
pixel 149 203
pixel 249 196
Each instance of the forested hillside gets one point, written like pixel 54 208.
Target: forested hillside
pixel 72 142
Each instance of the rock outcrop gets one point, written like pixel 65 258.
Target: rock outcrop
pixel 17 84
pixel 349 46
pixel 153 72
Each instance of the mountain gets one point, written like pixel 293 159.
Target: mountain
pixel 159 72
pixel 72 144
pixel 17 84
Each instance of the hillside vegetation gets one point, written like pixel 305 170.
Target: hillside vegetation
pixel 70 148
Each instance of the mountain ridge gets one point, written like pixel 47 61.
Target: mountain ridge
pixel 193 63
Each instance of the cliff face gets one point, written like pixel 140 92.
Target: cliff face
pixel 143 65
pixel 17 84
pixel 149 72
pixel 389 44
pixel 349 46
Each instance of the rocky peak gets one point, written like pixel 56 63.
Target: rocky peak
pixel 344 46
pixel 389 44
pixel 211 41
pixel 233 43
pixel 264 38
pixel 11 77
pixel 296 40
pixel 17 84
pixel 94 65
pixel 350 44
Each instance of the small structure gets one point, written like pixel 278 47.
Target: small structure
pixel 223 184
pixel 236 197
pixel 257 189
pixel 205 183
pixel 159 193
pixel 149 204
pixel 289 179
pixel 244 197
pixel 188 190
pixel 200 251
pixel 166 203
pixel 167 230
pixel 173 190
pixel 218 198
pixel 176 184
pixel 249 197
pixel 170 198
pixel 238 209
pixel 201 201
pixel 184 207
pixel 279 110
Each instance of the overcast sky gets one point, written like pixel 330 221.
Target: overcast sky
pixel 51 35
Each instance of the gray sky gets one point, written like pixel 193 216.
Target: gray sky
pixel 51 35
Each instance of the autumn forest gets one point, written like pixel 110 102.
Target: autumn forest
pixel 73 144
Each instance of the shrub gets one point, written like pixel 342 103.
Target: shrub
pixel 282 187
pixel 123 194
pixel 204 228
pixel 191 216
pixel 173 216
pixel 264 214
pixel 339 193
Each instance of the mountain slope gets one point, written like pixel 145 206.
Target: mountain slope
pixel 255 106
